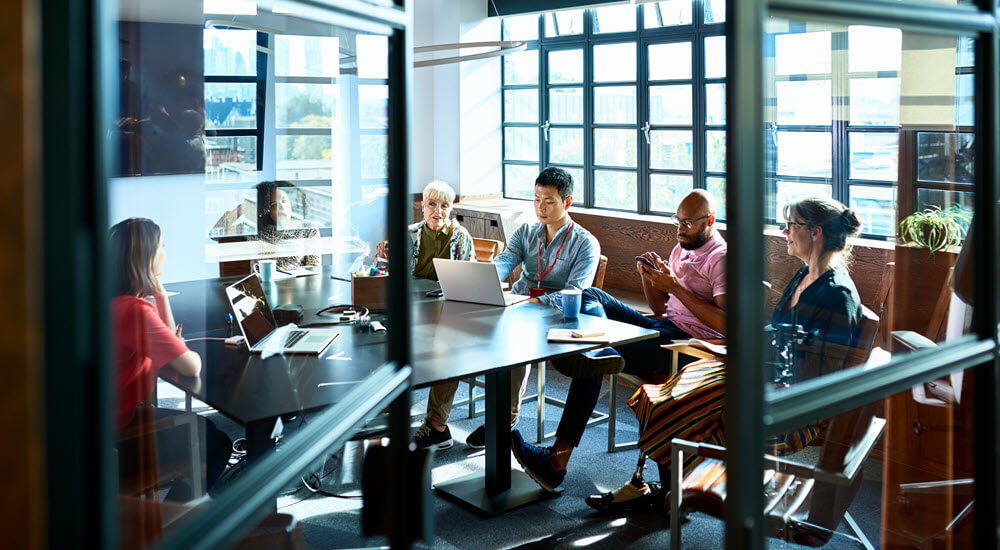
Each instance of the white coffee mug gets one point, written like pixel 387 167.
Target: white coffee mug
pixel 265 269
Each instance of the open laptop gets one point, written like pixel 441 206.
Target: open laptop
pixel 256 321
pixel 474 282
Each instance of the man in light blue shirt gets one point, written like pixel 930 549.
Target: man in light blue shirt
pixel 554 254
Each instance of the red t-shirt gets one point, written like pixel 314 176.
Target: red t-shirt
pixel 142 345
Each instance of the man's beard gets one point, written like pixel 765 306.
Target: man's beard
pixel 696 241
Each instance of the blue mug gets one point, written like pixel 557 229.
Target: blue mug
pixel 571 302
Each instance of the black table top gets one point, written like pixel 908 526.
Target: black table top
pixel 450 340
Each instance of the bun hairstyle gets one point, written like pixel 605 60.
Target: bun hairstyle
pixel 133 244
pixel 837 221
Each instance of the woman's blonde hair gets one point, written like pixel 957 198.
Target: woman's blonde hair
pixel 439 190
pixel 838 222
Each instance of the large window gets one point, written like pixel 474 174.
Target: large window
pixel 628 99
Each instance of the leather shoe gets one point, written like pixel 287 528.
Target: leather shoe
pixel 606 503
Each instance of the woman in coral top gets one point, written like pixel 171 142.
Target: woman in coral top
pixel 146 339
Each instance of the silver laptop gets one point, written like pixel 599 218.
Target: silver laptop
pixel 256 321
pixel 474 282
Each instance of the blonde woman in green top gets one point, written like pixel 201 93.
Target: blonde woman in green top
pixel 437 236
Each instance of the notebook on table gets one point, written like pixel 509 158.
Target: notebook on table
pixel 474 282
pixel 253 314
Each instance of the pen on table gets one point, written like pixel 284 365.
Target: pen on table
pixel 340 278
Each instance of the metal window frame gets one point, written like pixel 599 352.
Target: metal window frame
pixel 751 412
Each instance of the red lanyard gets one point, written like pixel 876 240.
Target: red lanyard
pixel 558 250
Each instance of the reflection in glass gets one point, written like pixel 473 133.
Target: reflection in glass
pixel 715 103
pixel 520 143
pixel 305 105
pixel 614 104
pixel 671 149
pixel 304 157
pixel 564 23
pixel 804 153
pixel 715 57
pixel 230 7
pixel 615 189
pixel 566 105
pixel 242 222
pixel 802 53
pixel 374 156
pixel 945 157
pixel 670 104
pixel 565 66
pixel 717 187
pixel 579 189
pixel 614 62
pixel 874 156
pixel 666 14
pixel 667 190
pixel 874 101
pixel 715 11
pixel 715 150
pixel 230 159
pixel 614 19
pixel 788 191
pixel 614 147
pixel 670 61
pixel 805 102
pixel 566 145
pixel 520 106
pixel 373 106
pixel 521 67
pixel 965 51
pixel 373 56
pixel 871 49
pixel 876 206
pixel 306 55
pixel 964 100
pixel 230 105
pixel 230 52
pixel 519 181
pixel 520 27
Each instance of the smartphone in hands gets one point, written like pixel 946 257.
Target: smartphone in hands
pixel 646 261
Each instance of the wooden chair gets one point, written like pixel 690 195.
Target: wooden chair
pixel 803 504
pixel 140 473
pixel 487 249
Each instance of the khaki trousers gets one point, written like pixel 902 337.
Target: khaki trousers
pixel 443 395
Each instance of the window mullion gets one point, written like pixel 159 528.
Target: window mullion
pixel 839 88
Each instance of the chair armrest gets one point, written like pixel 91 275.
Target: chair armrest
pixel 907 340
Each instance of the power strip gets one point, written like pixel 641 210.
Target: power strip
pixel 235 340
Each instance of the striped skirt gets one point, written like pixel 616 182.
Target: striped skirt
pixel 689 406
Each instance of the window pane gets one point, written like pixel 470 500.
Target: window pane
pixel 519 181
pixel 802 53
pixel 666 14
pixel 230 105
pixel 715 11
pixel 717 187
pixel 579 191
pixel 874 156
pixel 304 157
pixel 520 106
pixel 374 156
pixel 230 159
pixel 670 61
pixel 230 7
pixel 804 154
pixel 715 57
pixel 614 62
pixel 715 150
pixel 670 104
pixel 945 198
pixel 520 144
pixel 667 190
pixel 566 105
pixel 874 49
pixel 217 203
pixel 945 157
pixel 804 103
pixel 615 147
pixel 521 67
pixel 715 104
pixel 566 145
pixel 964 96
pixel 874 101
pixel 614 189
pixel 230 52
pixel 319 201
pixel 790 190
pixel 565 66
pixel 614 104
pixel 306 55
pixel 614 19
pixel 373 56
pixel 305 105
pixel 671 149
pixel 521 27
pixel 563 23
pixel 373 104
pixel 965 51
pixel 876 206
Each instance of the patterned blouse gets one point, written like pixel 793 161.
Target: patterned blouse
pixel 459 248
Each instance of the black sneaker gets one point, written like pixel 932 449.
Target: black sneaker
pixel 581 365
pixel 477 439
pixel 427 437
pixel 537 462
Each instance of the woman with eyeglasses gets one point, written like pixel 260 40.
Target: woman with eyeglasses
pixel 282 216
pixel 821 300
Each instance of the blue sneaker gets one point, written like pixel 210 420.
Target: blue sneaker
pixel 537 462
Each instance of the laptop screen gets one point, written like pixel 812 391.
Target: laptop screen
pixel 251 309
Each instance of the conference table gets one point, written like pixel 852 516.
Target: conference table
pixel 450 340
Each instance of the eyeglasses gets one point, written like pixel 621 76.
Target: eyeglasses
pixel 787 225
pixel 687 224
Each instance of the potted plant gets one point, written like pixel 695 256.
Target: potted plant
pixel 935 228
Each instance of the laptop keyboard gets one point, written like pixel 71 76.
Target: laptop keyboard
pixel 294 336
